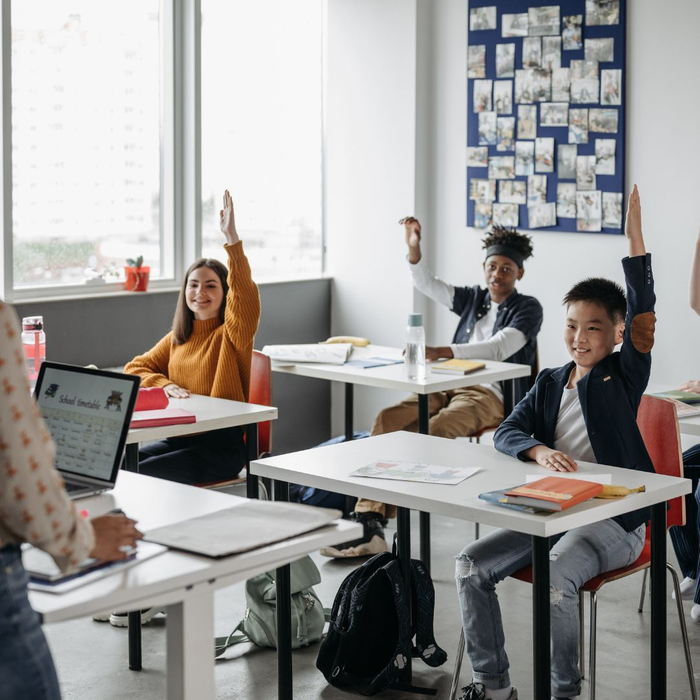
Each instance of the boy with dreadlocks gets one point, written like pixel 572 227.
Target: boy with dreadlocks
pixel 495 323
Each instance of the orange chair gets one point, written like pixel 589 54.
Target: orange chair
pixel 658 424
pixel 260 392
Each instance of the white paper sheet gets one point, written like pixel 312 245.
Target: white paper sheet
pixel 413 471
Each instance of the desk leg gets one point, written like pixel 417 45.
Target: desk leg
pixel 134 640
pixel 349 411
pixel 285 687
pixel 251 446
pixel 658 601
pixel 131 457
pixel 189 652
pixel 508 397
pixel 424 518
pixel 540 618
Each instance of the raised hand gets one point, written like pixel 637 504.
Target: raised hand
pixel 633 224
pixel 227 221
pixel 413 230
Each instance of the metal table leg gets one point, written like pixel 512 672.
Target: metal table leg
pixel 540 618
pixel 658 601
pixel 131 457
pixel 424 518
pixel 508 397
pixel 284 617
pixel 251 443
pixel 349 411
pixel 135 640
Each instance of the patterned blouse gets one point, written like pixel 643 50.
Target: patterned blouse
pixel 34 506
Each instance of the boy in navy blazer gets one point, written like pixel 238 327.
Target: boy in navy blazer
pixel 585 410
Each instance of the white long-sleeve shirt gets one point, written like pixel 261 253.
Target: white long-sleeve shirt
pixel 34 506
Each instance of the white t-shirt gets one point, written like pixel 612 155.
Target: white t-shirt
pixel 571 434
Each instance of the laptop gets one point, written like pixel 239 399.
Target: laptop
pixel 88 413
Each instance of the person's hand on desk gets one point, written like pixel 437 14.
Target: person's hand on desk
pixel 176 392
pixel 551 459
pixel 112 534
pixel 413 230
pixel 693 385
pixel 434 354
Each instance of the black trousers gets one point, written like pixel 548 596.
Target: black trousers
pixel 217 455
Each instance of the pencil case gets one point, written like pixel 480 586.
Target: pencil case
pixel 151 398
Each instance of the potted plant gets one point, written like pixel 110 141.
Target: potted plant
pixel 137 274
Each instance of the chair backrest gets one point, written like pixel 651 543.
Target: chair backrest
pixel 261 393
pixel 658 424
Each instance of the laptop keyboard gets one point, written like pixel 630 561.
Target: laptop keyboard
pixel 72 488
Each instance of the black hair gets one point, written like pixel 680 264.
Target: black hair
pixel 509 237
pixel 605 293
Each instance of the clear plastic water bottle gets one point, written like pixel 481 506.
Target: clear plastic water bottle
pixel 34 346
pixel 415 347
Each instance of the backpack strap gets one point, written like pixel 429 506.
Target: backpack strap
pixel 423 603
pixel 221 644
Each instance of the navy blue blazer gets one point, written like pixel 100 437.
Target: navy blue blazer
pixel 609 394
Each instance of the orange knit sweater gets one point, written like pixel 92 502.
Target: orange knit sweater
pixel 216 359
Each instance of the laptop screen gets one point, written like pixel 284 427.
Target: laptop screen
pixel 88 413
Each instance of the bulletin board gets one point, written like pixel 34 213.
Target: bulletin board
pixel 546 115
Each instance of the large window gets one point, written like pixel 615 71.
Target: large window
pixel 262 131
pixel 86 139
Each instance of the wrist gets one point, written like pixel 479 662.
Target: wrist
pixel 414 255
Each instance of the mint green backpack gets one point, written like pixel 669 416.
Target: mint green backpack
pixel 260 622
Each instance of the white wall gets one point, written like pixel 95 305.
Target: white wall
pixel 426 55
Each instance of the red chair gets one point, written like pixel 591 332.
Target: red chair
pixel 658 424
pixel 260 392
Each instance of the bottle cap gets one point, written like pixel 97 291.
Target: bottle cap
pixel 33 323
pixel 415 320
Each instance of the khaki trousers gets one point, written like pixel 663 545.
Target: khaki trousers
pixel 458 413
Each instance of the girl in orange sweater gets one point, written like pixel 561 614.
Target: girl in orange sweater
pixel 209 351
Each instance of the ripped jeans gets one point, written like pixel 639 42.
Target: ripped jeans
pixel 575 557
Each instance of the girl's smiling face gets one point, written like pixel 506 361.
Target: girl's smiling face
pixel 204 293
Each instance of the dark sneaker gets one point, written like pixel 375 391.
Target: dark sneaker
pixel 371 542
pixel 477 691
pixel 121 619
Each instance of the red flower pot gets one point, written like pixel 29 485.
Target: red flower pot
pixel 137 278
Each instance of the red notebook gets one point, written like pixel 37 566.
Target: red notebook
pixel 553 493
pixel 165 416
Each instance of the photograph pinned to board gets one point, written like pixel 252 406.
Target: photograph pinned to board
pixel 612 209
pixel 584 91
pixel 481 190
pixel 572 33
pixel 536 190
pixel 611 86
pixel 477 156
pixel 514 25
pixel 588 211
pixel 566 161
pixel 524 157
pixel 476 61
pixel 551 52
pixel 602 121
pixel 585 173
pixel 524 84
pixel 501 168
pixel 578 125
pixel 482 18
pixel 505 215
pixel 541 85
pixel 527 121
pixel 561 85
pixel 512 191
pixel 483 90
pixel 487 129
pixel 602 12
pixel 542 215
pixel 584 70
pixel 544 21
pixel 605 156
pixel 503 96
pixel 482 214
pixel 566 200
pixel 505 60
pixel 599 49
pixel 505 127
pixel 532 52
pixel 544 155
pixel 554 114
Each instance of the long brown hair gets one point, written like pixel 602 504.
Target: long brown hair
pixel 183 322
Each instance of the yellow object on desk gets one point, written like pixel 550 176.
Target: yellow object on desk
pixel 352 339
pixel 456 366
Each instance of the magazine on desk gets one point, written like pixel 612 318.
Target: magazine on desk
pixel 415 471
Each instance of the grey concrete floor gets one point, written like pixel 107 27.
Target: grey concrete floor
pixel 91 656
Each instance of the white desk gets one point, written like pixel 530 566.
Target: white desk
pixel 687 426
pixel 394 377
pixel 328 468
pixel 185 583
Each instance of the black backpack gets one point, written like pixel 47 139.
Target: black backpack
pixel 370 635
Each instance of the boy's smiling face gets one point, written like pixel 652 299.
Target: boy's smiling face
pixel 590 334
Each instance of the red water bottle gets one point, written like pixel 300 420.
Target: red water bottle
pixel 34 345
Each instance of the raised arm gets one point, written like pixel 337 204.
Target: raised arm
pixel 633 225
pixel 694 292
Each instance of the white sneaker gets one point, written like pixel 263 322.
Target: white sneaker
pixel 102 617
pixel 695 613
pixel 121 619
pixel 687 589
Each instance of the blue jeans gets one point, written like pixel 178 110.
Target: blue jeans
pixel 575 557
pixel 26 667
